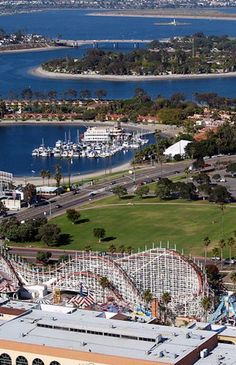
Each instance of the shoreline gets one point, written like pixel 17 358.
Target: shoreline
pixel 36 49
pixel 39 72
pixel 167 16
pixel 37 180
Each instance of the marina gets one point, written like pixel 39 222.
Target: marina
pixel 94 143
pixel 18 142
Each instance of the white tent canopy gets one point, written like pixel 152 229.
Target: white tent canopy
pixel 177 148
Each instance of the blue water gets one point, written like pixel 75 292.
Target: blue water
pixel 17 142
pixel 76 24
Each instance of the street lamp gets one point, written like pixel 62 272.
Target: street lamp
pixel 50 208
pixel 132 172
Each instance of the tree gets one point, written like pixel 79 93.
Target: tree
pixel 73 215
pixel 85 94
pixel 231 168
pixel 88 248
pixel 221 246
pixel 214 278
pixel 122 249
pixel 202 178
pixel 216 177
pixel 206 305
pixel 29 192
pixel 142 190
pixel 99 233
pixel 233 279
pixel 147 296
pixel 43 256
pixel 63 258
pixel 129 250
pixel 48 176
pixel 112 249
pixel 43 174
pixel 230 243
pixel 49 234
pixel 219 194
pixel 206 243
pixel 104 282
pixel 101 93
pixel 58 175
pixel 27 93
pixel 164 188
pixel 222 209
pixel 120 191
pixel 165 299
pixel 2 207
pixel 215 251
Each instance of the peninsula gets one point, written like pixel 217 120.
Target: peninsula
pixel 177 13
pixel 190 56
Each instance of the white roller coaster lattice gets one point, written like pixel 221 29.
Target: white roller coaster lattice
pixel 159 269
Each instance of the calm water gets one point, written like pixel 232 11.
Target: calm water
pixel 17 142
pixel 76 24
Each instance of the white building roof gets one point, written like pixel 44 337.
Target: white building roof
pixel 177 148
pixel 223 354
pixel 85 331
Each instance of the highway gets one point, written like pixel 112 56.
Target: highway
pixel 102 189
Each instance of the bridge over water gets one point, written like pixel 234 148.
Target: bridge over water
pixel 95 42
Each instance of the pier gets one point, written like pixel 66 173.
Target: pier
pixel 95 42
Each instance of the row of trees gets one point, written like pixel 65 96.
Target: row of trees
pixel 30 231
pixel 69 94
pixel 170 111
pixel 216 251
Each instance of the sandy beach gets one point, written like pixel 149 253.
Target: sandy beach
pixel 38 49
pixel 213 16
pixel 36 180
pixel 39 72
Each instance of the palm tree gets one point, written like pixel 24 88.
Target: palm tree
pixel 112 249
pixel 206 243
pixel 58 175
pixel 88 248
pixel 233 278
pixel 129 250
pixel 206 305
pixel 215 251
pixel 48 176
pixel 222 208
pixel 221 246
pixel 147 296
pixel 230 243
pixel 166 299
pixel 43 175
pixel 104 282
pixel 122 249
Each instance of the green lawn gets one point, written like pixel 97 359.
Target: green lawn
pixel 136 224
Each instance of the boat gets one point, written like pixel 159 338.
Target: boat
pixel 96 142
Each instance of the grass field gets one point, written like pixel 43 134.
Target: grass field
pixel 138 223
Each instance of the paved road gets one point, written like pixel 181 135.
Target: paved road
pixel 102 189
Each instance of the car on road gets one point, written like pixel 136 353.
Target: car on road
pixel 58 206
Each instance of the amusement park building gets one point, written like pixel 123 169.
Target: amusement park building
pixel 38 337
